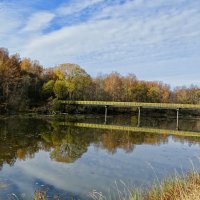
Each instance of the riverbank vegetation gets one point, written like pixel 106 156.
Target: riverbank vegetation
pixel 26 85
pixel 175 188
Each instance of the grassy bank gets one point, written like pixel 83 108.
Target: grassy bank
pixel 174 188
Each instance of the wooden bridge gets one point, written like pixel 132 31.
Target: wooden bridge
pixel 134 104
pixel 139 105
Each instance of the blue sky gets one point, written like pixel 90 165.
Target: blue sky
pixel 155 39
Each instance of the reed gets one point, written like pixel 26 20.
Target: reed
pixel 174 188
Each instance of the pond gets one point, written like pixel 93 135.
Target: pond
pixel 40 153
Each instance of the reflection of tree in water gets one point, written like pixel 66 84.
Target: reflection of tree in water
pixel 162 122
pixel 111 141
pixel 22 138
pixel 19 139
pixel 69 143
pixel 187 140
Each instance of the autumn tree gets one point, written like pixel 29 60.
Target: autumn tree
pixel 129 83
pixel 25 84
pixel 78 83
pixel 113 86
pixel 10 73
pixel 99 88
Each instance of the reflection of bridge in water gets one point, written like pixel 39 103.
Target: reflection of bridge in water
pixel 139 105
pixel 132 129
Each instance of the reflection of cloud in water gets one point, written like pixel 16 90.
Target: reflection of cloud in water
pixel 77 160
pixel 98 168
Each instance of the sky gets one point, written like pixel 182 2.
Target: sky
pixel 154 39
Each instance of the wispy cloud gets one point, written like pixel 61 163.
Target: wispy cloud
pixel 101 35
pixel 75 6
pixel 39 21
pixel 9 19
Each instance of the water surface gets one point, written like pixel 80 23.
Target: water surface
pixel 38 153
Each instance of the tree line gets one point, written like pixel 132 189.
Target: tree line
pixel 26 85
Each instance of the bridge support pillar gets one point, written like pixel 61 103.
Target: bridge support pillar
pixel 177 118
pixel 106 113
pixel 139 113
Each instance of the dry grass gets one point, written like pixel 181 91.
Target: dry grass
pixel 3 185
pixel 42 195
pixel 174 188
pixel 39 195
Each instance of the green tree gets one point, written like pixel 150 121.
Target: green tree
pixel 48 89
pixel 60 89
pixel 77 81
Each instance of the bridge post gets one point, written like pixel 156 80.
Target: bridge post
pixel 106 112
pixel 177 118
pixel 139 113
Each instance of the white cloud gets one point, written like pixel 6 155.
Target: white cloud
pixel 9 19
pixel 39 21
pixel 115 37
pixel 118 36
pixel 76 6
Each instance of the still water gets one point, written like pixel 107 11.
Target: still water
pixel 40 154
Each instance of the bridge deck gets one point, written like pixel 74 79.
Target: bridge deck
pixel 134 104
